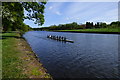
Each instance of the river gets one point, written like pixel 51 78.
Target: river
pixel 90 56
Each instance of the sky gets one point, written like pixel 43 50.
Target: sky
pixel 81 12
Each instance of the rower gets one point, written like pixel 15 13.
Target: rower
pixel 47 36
pixel 50 36
pixel 53 37
pixel 59 37
pixel 64 38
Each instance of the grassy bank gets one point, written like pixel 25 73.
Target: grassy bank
pixel 18 60
pixel 12 67
pixel 0 57
pixel 112 30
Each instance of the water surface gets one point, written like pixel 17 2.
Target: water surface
pixel 90 56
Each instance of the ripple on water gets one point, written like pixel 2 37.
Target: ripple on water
pixel 91 56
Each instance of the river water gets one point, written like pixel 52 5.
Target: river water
pixel 90 56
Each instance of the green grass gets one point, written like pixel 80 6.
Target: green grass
pixel 36 72
pixel 14 61
pixel 95 30
pixel 11 64
pixel 0 57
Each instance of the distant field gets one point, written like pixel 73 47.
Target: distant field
pixel 94 30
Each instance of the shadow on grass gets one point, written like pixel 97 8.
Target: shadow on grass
pixel 10 32
pixel 2 38
pixel 9 36
pixel 5 37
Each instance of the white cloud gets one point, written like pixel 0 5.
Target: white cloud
pixel 72 18
pixel 82 12
pixel 50 8
pixel 58 13
pixel 67 18
pixel 109 16
pixel 92 12
pixel 79 9
pixel 54 7
pixel 83 0
pixel 77 18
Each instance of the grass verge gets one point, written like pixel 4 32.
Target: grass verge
pixel 0 57
pixel 11 64
pixel 18 60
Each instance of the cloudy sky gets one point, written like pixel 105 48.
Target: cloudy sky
pixel 80 12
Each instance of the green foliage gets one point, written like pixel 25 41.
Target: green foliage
pixel 13 14
pixel 35 11
pixel 115 24
pixel 88 25
pixel 24 27
pixel 103 25
pixel 73 25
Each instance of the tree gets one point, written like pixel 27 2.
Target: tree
pixel 115 24
pixel 97 25
pixel 35 11
pixel 89 25
pixel 13 13
pixel 103 25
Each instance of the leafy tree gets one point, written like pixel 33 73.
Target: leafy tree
pixel 35 11
pixel 13 13
pixel 115 24
pixel 97 25
pixel 103 25
pixel 89 25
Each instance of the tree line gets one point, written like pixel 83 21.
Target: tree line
pixel 74 25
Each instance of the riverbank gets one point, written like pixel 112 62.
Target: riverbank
pixel 19 61
pixel 101 31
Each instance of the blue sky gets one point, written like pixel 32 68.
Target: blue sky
pixel 80 12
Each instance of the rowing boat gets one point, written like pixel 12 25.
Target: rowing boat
pixel 69 41
pixel 60 39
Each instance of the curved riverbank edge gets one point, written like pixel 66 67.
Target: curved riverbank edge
pixel 33 67
pixel 89 32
